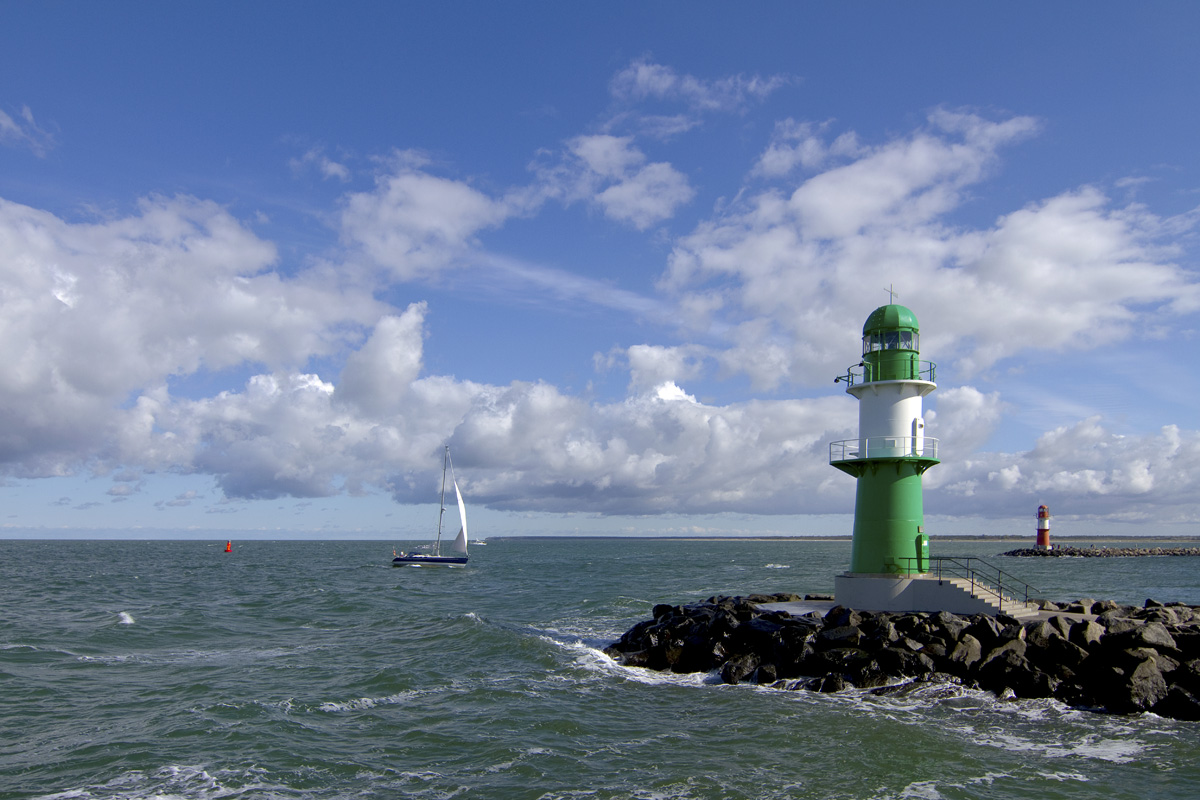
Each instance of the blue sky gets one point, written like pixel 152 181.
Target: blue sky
pixel 258 262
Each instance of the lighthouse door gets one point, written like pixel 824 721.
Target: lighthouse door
pixel 918 434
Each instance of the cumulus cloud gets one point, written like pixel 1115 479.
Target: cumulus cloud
pixel 654 365
pixel 91 313
pixel 414 223
pixel 612 173
pixel 104 323
pixel 532 447
pixel 1083 470
pixel 785 267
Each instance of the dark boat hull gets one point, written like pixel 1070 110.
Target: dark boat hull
pixel 429 561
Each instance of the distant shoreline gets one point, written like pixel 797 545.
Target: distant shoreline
pixel 837 538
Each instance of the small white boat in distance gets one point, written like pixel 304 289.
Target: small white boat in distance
pixel 458 547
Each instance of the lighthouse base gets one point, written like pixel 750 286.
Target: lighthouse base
pixel 869 592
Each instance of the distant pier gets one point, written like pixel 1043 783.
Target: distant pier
pixel 1101 552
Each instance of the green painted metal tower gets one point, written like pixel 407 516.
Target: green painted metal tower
pixel 891 452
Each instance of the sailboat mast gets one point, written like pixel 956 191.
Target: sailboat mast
pixel 437 547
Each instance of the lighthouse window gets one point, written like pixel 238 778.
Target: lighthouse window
pixel 872 342
pixel 891 340
pixel 906 340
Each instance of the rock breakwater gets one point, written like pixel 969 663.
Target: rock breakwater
pixel 1101 552
pixel 1095 655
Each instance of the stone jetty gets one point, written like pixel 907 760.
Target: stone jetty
pixel 1101 552
pixel 1094 655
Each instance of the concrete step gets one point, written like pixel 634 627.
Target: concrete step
pixel 989 596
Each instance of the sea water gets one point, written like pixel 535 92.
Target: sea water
pixel 291 669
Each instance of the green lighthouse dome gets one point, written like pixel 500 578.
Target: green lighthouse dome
pixel 891 318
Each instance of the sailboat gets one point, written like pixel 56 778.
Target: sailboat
pixel 458 547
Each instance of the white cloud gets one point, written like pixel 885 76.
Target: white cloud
pixel 644 79
pixel 654 365
pixel 789 272
pixel 315 157
pixel 377 376
pixel 611 173
pixel 965 419
pixel 23 131
pixel 94 313
pixel 1082 470
pixel 102 323
pixel 800 145
pixel 646 197
pixel 414 223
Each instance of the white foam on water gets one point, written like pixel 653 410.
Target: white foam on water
pixel 597 660
pixel 1063 777
pixel 125 618
pixel 363 703
pixel 921 790
pixel 778 566
pixel 181 782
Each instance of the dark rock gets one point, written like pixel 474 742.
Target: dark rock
pixel 843 636
pixel 739 668
pixel 1062 625
pixel 935 649
pixel 1038 634
pixel 1166 616
pixel 1179 703
pixel 1055 654
pixel 986 630
pixel 832 683
pixel 766 673
pixel 839 659
pixel 951 625
pixel 1121 615
pixel 1150 634
pixel 663 610
pixel 1086 633
pixel 1187 641
pixel 1146 687
pixel 840 616
pixel 1006 667
pixel 966 654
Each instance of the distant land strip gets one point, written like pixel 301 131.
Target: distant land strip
pixel 838 538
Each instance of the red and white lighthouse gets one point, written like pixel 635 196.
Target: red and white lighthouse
pixel 1043 528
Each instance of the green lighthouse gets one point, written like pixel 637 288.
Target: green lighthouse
pixel 891 452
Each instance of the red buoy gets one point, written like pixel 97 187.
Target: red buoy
pixel 229 547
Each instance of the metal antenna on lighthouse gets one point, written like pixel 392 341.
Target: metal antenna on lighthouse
pixel 892 295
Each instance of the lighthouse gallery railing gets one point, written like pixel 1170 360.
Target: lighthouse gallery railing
pixel 914 370
pixel 883 447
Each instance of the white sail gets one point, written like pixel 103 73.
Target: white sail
pixel 460 543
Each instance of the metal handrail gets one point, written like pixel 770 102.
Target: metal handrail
pixel 923 371
pixel 951 566
pixel 883 447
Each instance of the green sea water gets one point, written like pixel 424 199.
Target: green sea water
pixel 288 669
